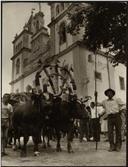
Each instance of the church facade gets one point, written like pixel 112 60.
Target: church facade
pixel 34 44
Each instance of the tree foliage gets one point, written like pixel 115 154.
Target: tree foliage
pixel 105 25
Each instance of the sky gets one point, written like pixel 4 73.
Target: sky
pixel 14 16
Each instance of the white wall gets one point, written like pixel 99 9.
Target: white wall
pixel 29 80
pixel 67 57
pixel 102 84
pixel 120 70
pixel 17 85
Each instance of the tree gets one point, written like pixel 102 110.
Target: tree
pixel 105 25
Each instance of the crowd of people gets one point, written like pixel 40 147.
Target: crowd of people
pixel 108 122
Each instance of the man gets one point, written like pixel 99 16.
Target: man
pixel 95 123
pixel 47 99
pixel 46 94
pixel 84 129
pixel 65 95
pixel 84 125
pixel 5 121
pixel 112 110
pixel 89 122
pixel 104 127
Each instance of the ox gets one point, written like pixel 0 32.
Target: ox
pixel 62 117
pixel 27 121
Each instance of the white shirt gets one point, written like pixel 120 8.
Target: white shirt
pixel 6 110
pixel 46 95
pixel 113 106
pixel 65 97
pixel 93 113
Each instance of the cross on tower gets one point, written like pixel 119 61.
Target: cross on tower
pixel 39 7
pixel 32 11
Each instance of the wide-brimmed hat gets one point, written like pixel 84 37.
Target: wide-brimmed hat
pixel 108 90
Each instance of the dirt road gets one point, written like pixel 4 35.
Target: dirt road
pixel 84 155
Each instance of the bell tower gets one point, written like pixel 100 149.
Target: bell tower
pixel 40 35
pixel 30 44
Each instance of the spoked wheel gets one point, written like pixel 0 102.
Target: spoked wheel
pixel 59 79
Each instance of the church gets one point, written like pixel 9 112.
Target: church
pixel 34 45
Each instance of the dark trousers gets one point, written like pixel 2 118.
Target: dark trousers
pixel 114 121
pixel 95 128
pixel 84 129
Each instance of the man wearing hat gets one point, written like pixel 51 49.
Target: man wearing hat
pixel 46 95
pixel 112 108
pixel 65 95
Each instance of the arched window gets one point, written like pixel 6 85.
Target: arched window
pixel 37 26
pixel 17 66
pixel 57 10
pixel 62 33
pixel 90 58
pixel 62 6
pixel 25 62
pixel 21 44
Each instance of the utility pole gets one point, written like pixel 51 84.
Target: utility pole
pixel 96 94
pixel 108 72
